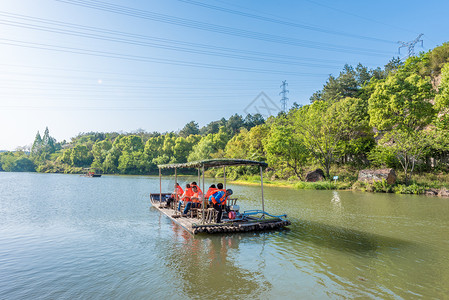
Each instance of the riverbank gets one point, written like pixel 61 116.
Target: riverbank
pixel 423 184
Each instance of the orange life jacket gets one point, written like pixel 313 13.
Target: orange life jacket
pixel 187 194
pixel 179 190
pixel 210 192
pixel 196 187
pixel 197 197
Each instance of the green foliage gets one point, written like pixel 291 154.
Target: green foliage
pixel 381 156
pixel 401 108
pixel 80 156
pixel 382 186
pixel 409 189
pixel 190 128
pixel 209 145
pixel 320 185
pixel 285 147
pixel 16 162
pixel 402 102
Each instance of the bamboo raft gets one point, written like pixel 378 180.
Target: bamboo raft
pixel 252 220
pixel 196 225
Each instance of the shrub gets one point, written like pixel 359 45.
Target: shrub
pixel 382 187
pixel 409 189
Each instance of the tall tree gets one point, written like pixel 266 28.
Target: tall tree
pixel 401 108
pixel 190 128
pixel 285 146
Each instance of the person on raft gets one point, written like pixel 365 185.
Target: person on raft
pixel 179 192
pixel 185 198
pixel 218 200
pixel 197 199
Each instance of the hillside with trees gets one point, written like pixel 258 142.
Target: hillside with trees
pixel 395 116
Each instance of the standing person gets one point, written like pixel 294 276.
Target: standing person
pixel 197 199
pixel 185 198
pixel 218 199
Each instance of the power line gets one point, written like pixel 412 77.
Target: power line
pixel 106 54
pixel 123 10
pixel 283 22
pixel 167 44
pixel 357 16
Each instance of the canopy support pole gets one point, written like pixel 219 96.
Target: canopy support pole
pixel 160 187
pixel 176 190
pixel 204 200
pixel 261 185
pixel 199 178
pixel 176 187
pixel 224 177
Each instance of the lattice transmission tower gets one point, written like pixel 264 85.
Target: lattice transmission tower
pixel 410 46
pixel 284 95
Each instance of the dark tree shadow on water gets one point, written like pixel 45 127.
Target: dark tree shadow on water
pixel 343 239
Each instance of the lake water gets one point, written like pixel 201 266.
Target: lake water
pixel 72 237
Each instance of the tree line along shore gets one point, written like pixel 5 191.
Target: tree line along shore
pixel 390 117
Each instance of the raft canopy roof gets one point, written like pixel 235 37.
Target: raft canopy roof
pixel 210 163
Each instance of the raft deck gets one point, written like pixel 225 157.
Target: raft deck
pixel 195 225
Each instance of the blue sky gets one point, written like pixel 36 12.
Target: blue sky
pixel 84 65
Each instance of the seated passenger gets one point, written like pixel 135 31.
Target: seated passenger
pixel 194 184
pixel 218 200
pixel 178 193
pixel 212 189
pixel 185 198
pixel 197 199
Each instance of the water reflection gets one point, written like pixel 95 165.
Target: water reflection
pixel 207 267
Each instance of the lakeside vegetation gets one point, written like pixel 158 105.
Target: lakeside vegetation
pixel 394 117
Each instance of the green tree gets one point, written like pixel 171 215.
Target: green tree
pixel 99 152
pixel 48 142
pixel 209 145
pixel 284 146
pixel 190 128
pixel 81 156
pixel 36 149
pixel 234 124
pixel 400 108
pixel 357 138
pixel 321 131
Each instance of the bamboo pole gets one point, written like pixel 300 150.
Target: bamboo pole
pixel 176 190
pixel 160 187
pixel 261 184
pixel 199 178
pixel 224 177
pixel 204 198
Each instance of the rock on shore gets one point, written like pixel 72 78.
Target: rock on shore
pixel 369 175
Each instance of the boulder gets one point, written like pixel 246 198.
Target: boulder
pixel 431 192
pixel 317 175
pixel 368 175
pixel 443 192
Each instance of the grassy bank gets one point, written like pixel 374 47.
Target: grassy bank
pixel 421 184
